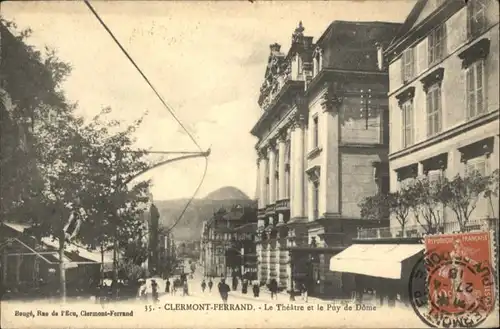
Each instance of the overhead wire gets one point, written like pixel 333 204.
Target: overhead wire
pixel 169 109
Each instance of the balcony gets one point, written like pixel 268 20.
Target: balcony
pixel 283 205
pixel 417 231
pixel 270 209
pixel 261 213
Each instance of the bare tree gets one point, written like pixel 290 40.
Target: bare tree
pixel 462 193
pixel 423 198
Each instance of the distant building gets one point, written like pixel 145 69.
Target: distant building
pixel 227 242
pixel 322 148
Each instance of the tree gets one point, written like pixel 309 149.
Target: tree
pixel 30 92
pixel 374 207
pixel 493 189
pixel 399 205
pixel 67 159
pixel 462 193
pixel 424 201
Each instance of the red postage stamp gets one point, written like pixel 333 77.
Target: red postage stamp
pixel 460 279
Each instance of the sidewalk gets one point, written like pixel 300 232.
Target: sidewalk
pixel 282 297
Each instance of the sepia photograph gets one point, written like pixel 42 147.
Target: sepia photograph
pixel 249 164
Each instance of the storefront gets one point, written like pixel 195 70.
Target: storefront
pixel 383 269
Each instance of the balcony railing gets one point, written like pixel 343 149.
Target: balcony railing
pixel 270 209
pixel 418 230
pixel 283 205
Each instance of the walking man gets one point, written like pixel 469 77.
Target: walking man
pixel 223 290
pixel 203 285
pixel 210 285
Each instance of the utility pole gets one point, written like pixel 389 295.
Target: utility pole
pixel 366 105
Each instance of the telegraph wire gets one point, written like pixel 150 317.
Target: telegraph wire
pixel 164 104
pixel 142 74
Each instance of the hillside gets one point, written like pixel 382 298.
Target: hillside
pixel 190 225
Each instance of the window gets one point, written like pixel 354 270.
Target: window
pixel 474 80
pixel 407 114
pixel 315 132
pixel 476 164
pixel 407 65
pixel 480 165
pixel 437 44
pixel 476 17
pixel 433 110
pixel 316 199
pixel 434 175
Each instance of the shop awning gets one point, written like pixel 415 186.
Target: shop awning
pixel 378 260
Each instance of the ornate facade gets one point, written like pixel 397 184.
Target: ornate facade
pixel 227 243
pixel 322 148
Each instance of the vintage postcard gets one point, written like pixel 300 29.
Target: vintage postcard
pixel 249 164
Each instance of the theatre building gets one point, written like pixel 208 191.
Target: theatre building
pixel 322 147
pixel 444 112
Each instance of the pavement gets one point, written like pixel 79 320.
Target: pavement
pixel 197 295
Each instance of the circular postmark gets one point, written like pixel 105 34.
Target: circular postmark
pixel 451 292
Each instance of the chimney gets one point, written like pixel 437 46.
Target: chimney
pixel 275 47
pixel 380 56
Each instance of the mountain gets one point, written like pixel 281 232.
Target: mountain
pixel 227 193
pixel 190 225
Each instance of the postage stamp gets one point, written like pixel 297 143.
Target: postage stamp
pixel 453 285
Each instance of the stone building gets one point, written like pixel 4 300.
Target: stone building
pixel 444 73
pixel 444 112
pixel 227 242
pixel 323 145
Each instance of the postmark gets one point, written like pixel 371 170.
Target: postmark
pixel 453 284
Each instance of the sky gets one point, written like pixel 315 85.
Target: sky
pixel 206 59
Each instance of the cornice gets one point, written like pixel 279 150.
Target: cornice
pixel 405 95
pixel 434 77
pixel 475 52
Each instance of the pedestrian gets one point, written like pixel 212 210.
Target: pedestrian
pixel 142 290
pixel 235 283
pixel 256 289
pixel 203 285
pixel 154 291
pixel 210 285
pixel 223 290
pixel 167 286
pixel 303 290
pixel 185 291
pixel 273 287
pixel 244 288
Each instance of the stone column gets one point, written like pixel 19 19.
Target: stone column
pixel 281 167
pixel 329 187
pixel 277 255
pixel 297 203
pixel 272 173
pixel 269 249
pixel 258 251
pixel 257 188
pixel 263 183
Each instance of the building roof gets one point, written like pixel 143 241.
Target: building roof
pixel 74 252
pixel 351 24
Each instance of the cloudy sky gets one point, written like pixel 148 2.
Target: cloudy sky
pixel 207 60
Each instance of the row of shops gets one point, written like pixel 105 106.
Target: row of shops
pixel 31 266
